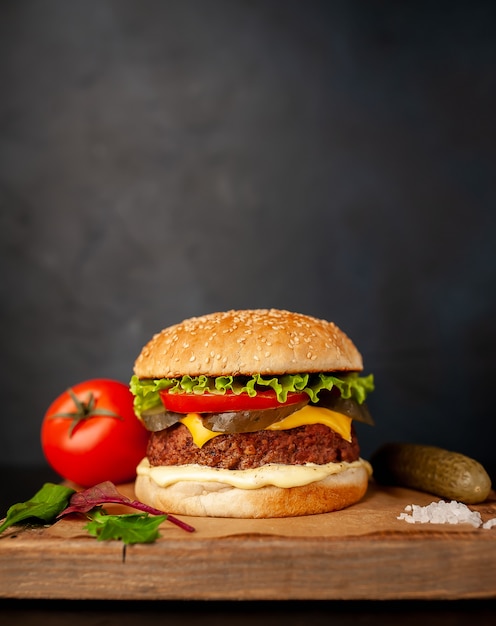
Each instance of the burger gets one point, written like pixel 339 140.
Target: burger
pixel 251 415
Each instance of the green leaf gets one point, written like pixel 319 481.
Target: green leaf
pixel 146 392
pixel 132 528
pixel 44 506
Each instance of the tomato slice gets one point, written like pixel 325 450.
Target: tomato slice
pixel 217 403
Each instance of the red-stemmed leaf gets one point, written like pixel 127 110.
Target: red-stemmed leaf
pixel 107 493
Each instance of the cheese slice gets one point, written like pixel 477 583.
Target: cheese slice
pixel 307 415
pixel 316 415
pixel 199 432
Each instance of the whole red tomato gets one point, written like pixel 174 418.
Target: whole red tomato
pixel 90 433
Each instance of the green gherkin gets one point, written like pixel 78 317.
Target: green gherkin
pixel 433 470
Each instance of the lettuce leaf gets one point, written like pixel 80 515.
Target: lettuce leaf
pixel 129 528
pixel 44 506
pixel 146 391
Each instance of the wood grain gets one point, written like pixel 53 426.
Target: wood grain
pixel 363 552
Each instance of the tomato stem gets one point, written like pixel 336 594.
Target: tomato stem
pixel 84 411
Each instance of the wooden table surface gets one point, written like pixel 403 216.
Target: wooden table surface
pixel 288 612
pixel 361 553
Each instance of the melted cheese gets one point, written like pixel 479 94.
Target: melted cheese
pixel 284 476
pixel 199 432
pixel 307 415
pixel 316 415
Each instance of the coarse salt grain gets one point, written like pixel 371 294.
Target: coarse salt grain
pixel 444 513
pixel 489 524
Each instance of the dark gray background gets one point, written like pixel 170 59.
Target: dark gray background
pixel 162 159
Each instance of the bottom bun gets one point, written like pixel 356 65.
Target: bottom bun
pixel 214 499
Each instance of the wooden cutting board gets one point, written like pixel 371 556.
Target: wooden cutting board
pixel 363 552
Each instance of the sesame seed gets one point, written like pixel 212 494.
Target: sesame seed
pixel 191 358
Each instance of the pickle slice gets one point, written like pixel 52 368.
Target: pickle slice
pixel 248 421
pixel 346 406
pixel 158 418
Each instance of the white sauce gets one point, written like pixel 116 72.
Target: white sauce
pixel 273 474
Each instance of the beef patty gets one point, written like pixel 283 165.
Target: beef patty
pixel 314 443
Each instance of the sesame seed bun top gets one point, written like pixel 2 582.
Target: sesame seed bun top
pixel 247 342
